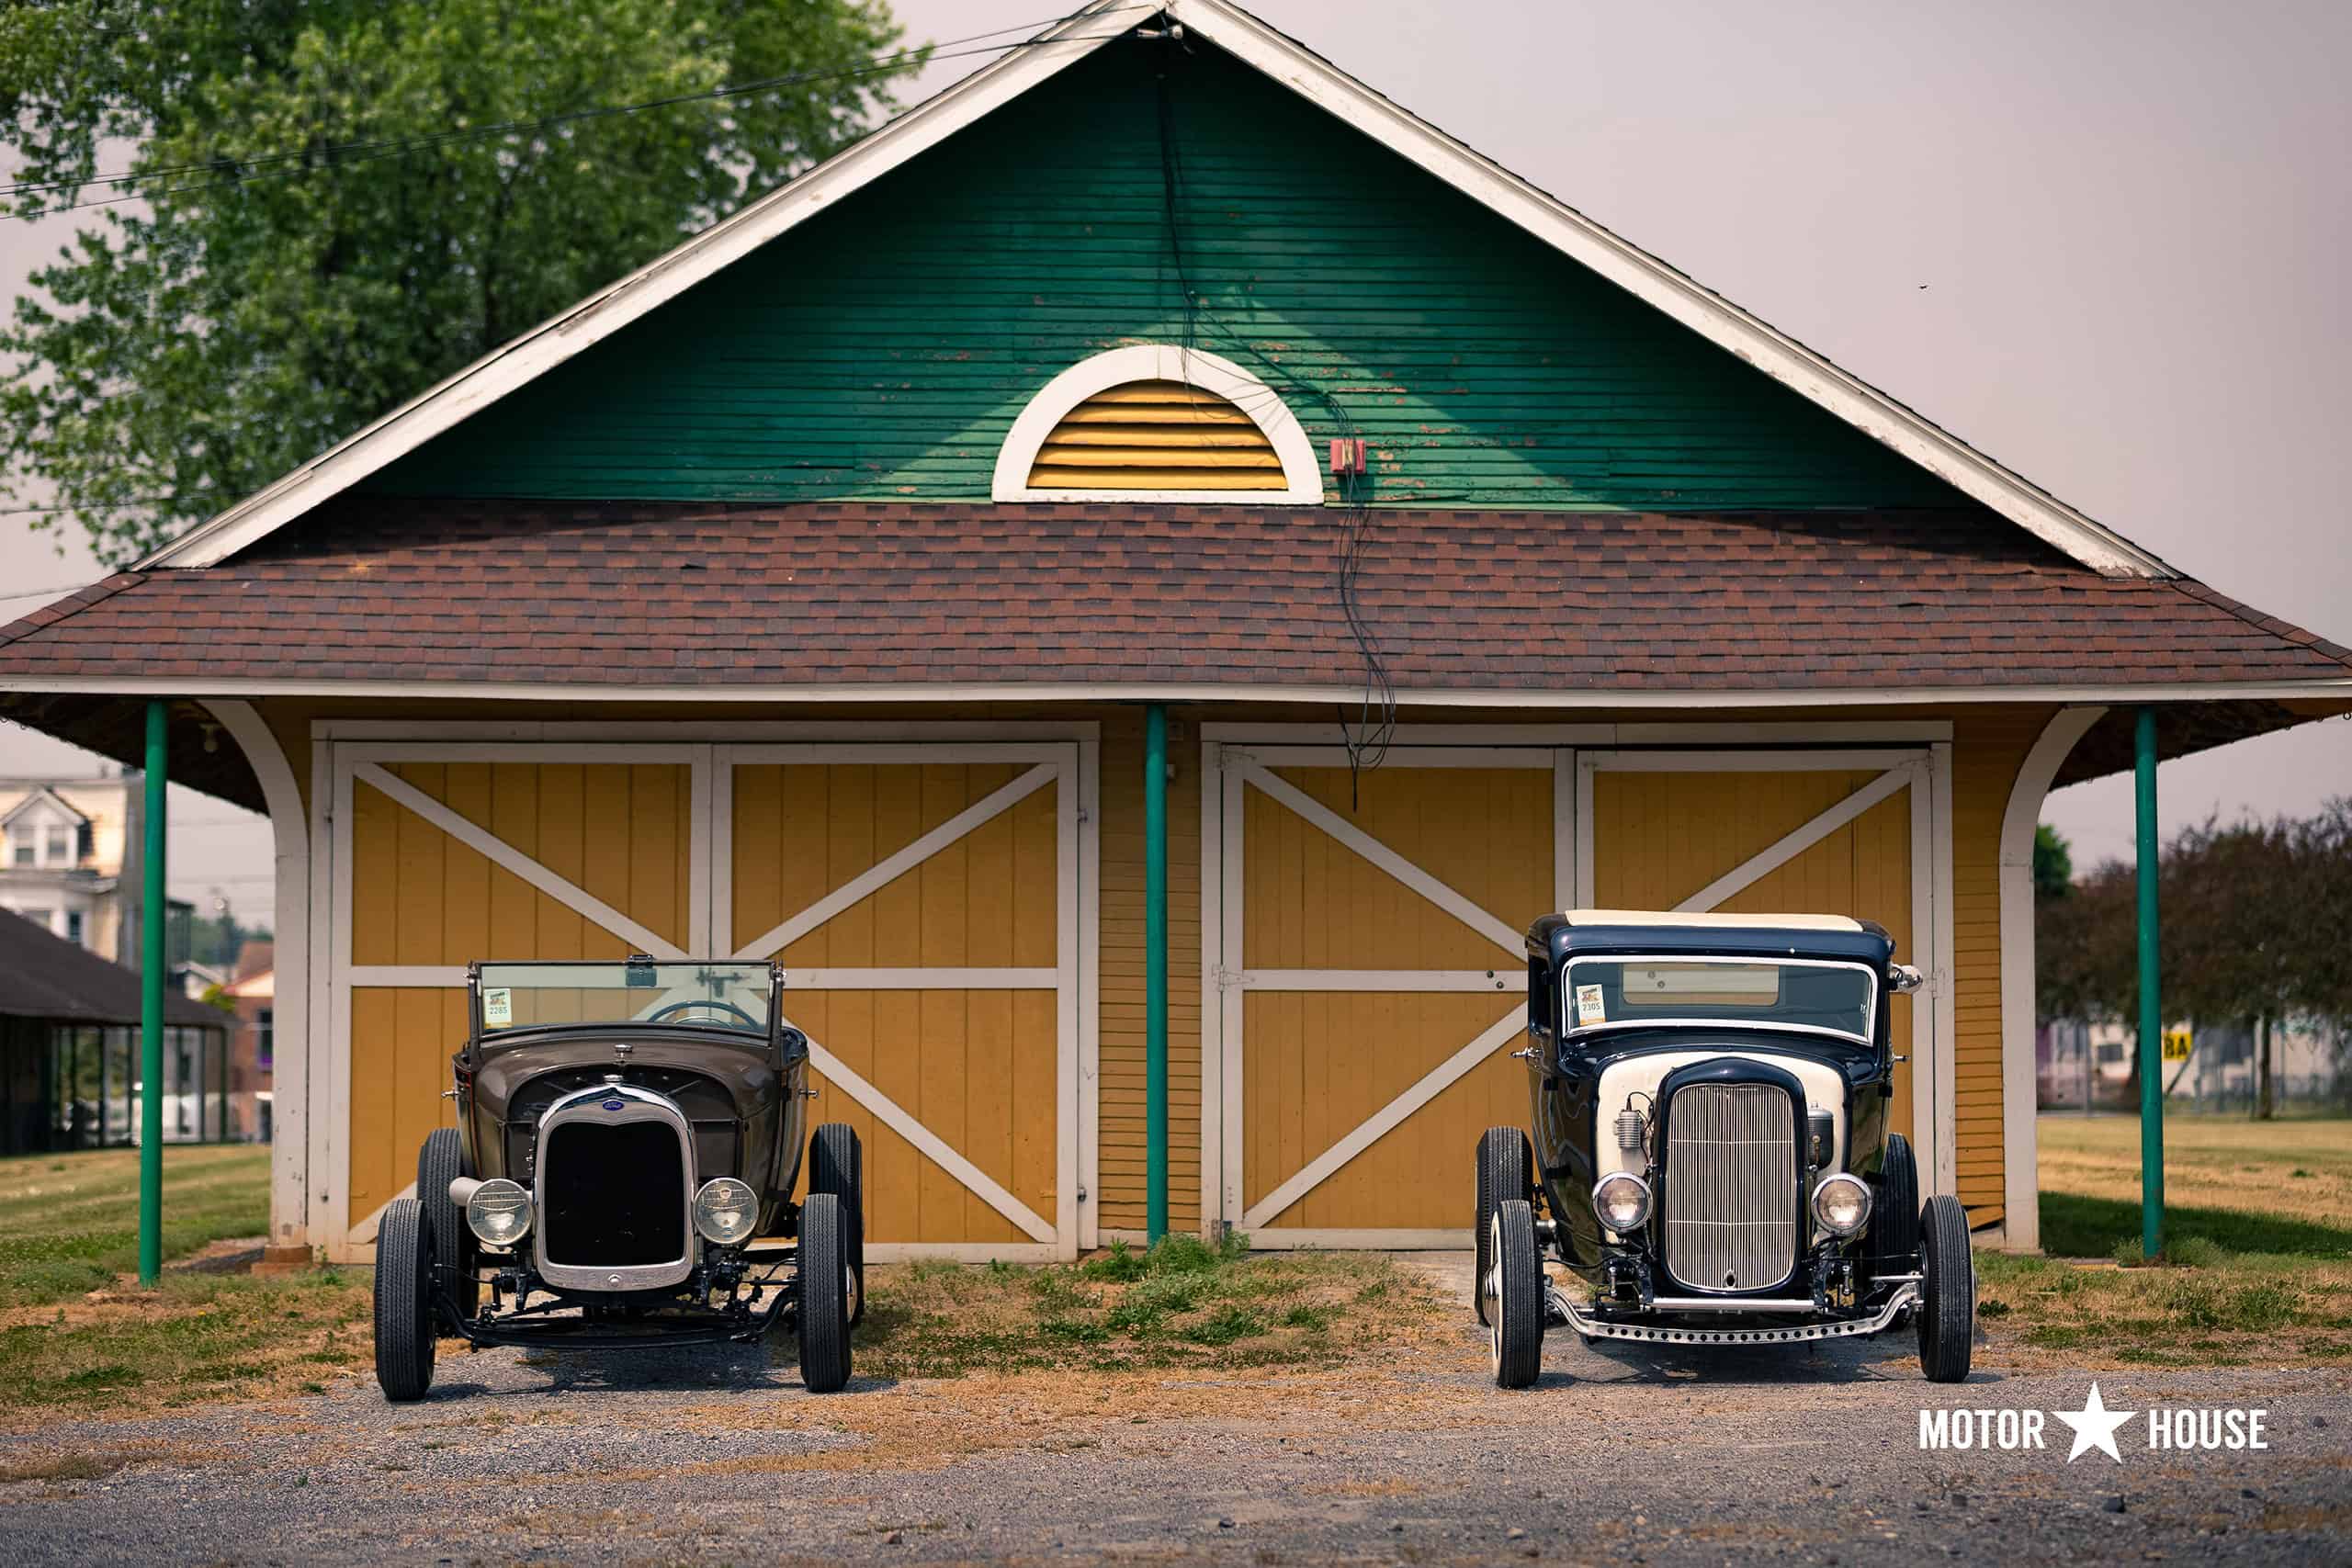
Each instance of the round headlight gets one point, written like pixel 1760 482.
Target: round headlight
pixel 726 1210
pixel 1842 1203
pixel 1621 1201
pixel 499 1212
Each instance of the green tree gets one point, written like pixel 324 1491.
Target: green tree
pixel 309 267
pixel 2054 862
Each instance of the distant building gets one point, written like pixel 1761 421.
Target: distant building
pixel 254 992
pixel 70 1053
pixel 70 855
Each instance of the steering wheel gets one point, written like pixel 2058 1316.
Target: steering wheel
pixel 661 1013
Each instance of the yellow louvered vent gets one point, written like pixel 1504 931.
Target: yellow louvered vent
pixel 1156 436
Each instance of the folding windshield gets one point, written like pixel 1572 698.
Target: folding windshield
pixel 1822 995
pixel 733 997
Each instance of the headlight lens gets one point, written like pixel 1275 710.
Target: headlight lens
pixel 1842 1203
pixel 1621 1201
pixel 726 1210
pixel 499 1212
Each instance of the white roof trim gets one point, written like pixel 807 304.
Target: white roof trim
pixel 44 795
pixel 1302 481
pixel 1718 922
pixel 1285 60
pixel 2322 688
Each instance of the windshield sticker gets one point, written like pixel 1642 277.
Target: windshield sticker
pixel 1589 1009
pixel 497 1007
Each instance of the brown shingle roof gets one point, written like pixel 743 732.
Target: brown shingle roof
pixel 43 976
pixel 669 594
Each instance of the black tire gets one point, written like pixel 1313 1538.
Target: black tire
pixel 823 1287
pixel 1895 1211
pixel 1947 1292
pixel 1517 1335
pixel 837 1165
pixel 404 1337
pixel 441 1161
pixel 1506 1170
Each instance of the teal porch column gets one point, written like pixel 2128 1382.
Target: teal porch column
pixel 151 1005
pixel 1155 971
pixel 2151 1022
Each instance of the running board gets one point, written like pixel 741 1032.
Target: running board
pixel 1559 1309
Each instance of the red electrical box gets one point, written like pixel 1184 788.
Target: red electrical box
pixel 1348 455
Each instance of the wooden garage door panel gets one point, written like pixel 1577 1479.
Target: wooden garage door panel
pixel 1319 1064
pixel 623 832
pixel 1660 837
pixel 401 1038
pixel 1310 902
pixel 987 899
pixel 978 1068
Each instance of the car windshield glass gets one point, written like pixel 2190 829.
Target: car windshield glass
pixel 712 996
pixel 1613 993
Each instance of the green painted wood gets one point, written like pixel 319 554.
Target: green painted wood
pixel 882 351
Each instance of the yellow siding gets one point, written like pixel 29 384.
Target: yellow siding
pixel 1121 1139
pixel 1988 752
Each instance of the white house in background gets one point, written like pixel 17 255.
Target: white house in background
pixel 70 852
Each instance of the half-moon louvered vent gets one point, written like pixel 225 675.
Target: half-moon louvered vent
pixel 1156 436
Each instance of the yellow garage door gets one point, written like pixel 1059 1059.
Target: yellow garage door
pixel 923 902
pixel 469 853
pixel 1373 982
pixel 1772 833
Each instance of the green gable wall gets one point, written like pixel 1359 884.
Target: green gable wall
pixel 881 351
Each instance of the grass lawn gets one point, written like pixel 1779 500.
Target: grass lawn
pixel 1182 1304
pixel 2257 1266
pixel 77 1329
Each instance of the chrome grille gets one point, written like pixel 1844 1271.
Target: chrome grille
pixel 1731 1186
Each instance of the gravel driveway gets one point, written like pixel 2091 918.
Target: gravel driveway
pixel 1639 1453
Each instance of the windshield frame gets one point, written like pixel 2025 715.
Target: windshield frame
pixel 1746 959
pixel 733 1035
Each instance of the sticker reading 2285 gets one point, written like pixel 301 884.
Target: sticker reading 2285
pixel 497 1007
pixel 1589 1008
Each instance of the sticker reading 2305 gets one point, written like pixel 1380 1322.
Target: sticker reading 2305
pixel 1590 1008
pixel 497 1007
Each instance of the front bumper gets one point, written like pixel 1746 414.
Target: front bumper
pixel 1561 1309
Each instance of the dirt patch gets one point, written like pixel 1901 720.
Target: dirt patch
pixel 97 1464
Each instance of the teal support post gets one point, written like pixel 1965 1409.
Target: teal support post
pixel 151 1008
pixel 1155 971
pixel 2152 1026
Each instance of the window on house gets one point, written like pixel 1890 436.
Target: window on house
pixel 265 1040
pixel 20 849
pixel 1158 423
pixel 61 846
pixel 73 927
pixel 85 842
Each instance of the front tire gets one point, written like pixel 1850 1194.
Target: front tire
pixel 1946 1291
pixel 837 1165
pixel 441 1161
pixel 1517 1335
pixel 823 1287
pixel 404 1323
pixel 1506 1170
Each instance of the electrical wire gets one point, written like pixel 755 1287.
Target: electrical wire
pixel 337 155
pixel 1373 730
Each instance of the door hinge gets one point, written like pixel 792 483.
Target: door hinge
pixel 1229 979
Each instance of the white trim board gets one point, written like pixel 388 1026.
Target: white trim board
pixel 1282 60
pixel 2020 1155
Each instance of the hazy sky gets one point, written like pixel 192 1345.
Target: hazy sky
pixel 2101 240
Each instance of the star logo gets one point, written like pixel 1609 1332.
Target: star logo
pixel 2093 1426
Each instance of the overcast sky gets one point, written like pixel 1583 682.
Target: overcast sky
pixel 2101 240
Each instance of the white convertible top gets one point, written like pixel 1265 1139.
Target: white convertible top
pixel 1678 918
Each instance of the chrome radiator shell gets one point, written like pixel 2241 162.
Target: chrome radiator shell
pixel 1730 1211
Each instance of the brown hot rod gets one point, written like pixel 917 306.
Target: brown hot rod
pixel 627 1139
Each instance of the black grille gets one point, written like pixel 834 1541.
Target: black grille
pixel 615 1196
